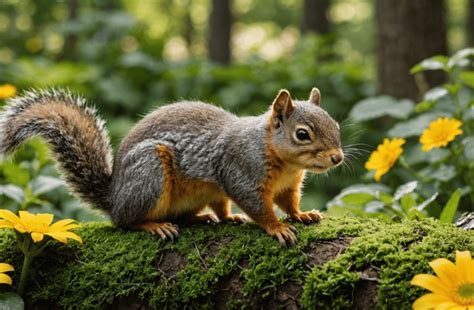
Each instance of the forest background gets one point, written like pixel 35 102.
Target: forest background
pixel 129 57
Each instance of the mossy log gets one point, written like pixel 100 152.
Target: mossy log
pixel 339 263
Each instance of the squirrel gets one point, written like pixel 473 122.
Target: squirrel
pixel 183 157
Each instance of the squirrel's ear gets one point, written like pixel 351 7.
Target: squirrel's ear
pixel 282 106
pixel 315 96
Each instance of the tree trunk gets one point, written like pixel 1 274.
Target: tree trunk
pixel 341 263
pixel 220 22
pixel 188 29
pixel 470 24
pixel 315 16
pixel 407 32
pixel 70 42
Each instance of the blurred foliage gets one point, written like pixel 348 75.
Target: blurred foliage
pixel 30 181
pixel 442 177
pixel 139 84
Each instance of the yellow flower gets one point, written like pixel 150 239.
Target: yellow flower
pixel 7 91
pixel 440 133
pixel 39 225
pixel 452 288
pixel 385 156
pixel 4 279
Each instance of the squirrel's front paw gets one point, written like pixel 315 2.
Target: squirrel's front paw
pixel 312 216
pixel 285 234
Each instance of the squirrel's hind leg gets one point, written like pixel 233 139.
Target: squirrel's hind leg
pixel 141 194
pixel 222 209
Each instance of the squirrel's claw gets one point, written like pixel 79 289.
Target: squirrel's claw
pixel 235 218
pixel 308 217
pixel 164 230
pixel 285 234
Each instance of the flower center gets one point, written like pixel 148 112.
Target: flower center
pixel 465 294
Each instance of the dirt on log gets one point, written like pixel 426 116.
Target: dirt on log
pixel 343 263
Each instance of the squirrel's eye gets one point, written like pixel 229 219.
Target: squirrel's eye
pixel 302 135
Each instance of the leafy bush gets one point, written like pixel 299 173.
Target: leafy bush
pixel 443 172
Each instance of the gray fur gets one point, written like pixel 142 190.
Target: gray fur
pixel 137 185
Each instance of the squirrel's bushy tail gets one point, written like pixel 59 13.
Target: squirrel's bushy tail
pixel 77 135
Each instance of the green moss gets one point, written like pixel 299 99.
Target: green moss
pixel 113 263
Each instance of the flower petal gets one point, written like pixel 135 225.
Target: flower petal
pixel 446 272
pixel 20 228
pixel 37 237
pixel 430 283
pixel 5 224
pixel 63 225
pixel 44 218
pixel 28 220
pixel 463 265
pixel 4 279
pixel 6 267
pixel 429 301
pixel 62 236
pixel 9 216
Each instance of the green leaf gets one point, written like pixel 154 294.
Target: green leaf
pixel 43 184
pixel 376 107
pixel 358 199
pixel 14 192
pixel 405 189
pixel 11 301
pixel 468 147
pixel 443 173
pixel 460 58
pixel 407 202
pixel 415 126
pixel 467 77
pixel 415 214
pixel 16 174
pixel 449 210
pixel 453 89
pixel 464 53
pixel 435 94
pixel 433 63
pixel 360 194
pixel 425 203
pixel 385 198
pixel 415 155
pixel 424 106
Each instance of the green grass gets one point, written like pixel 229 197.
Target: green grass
pixel 113 264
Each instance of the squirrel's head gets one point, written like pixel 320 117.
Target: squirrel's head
pixel 303 134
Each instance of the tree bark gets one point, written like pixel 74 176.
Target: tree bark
pixel 220 23
pixel 407 32
pixel 315 16
pixel 70 42
pixel 470 24
pixel 341 263
pixel 188 29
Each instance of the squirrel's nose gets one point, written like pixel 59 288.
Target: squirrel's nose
pixel 336 158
